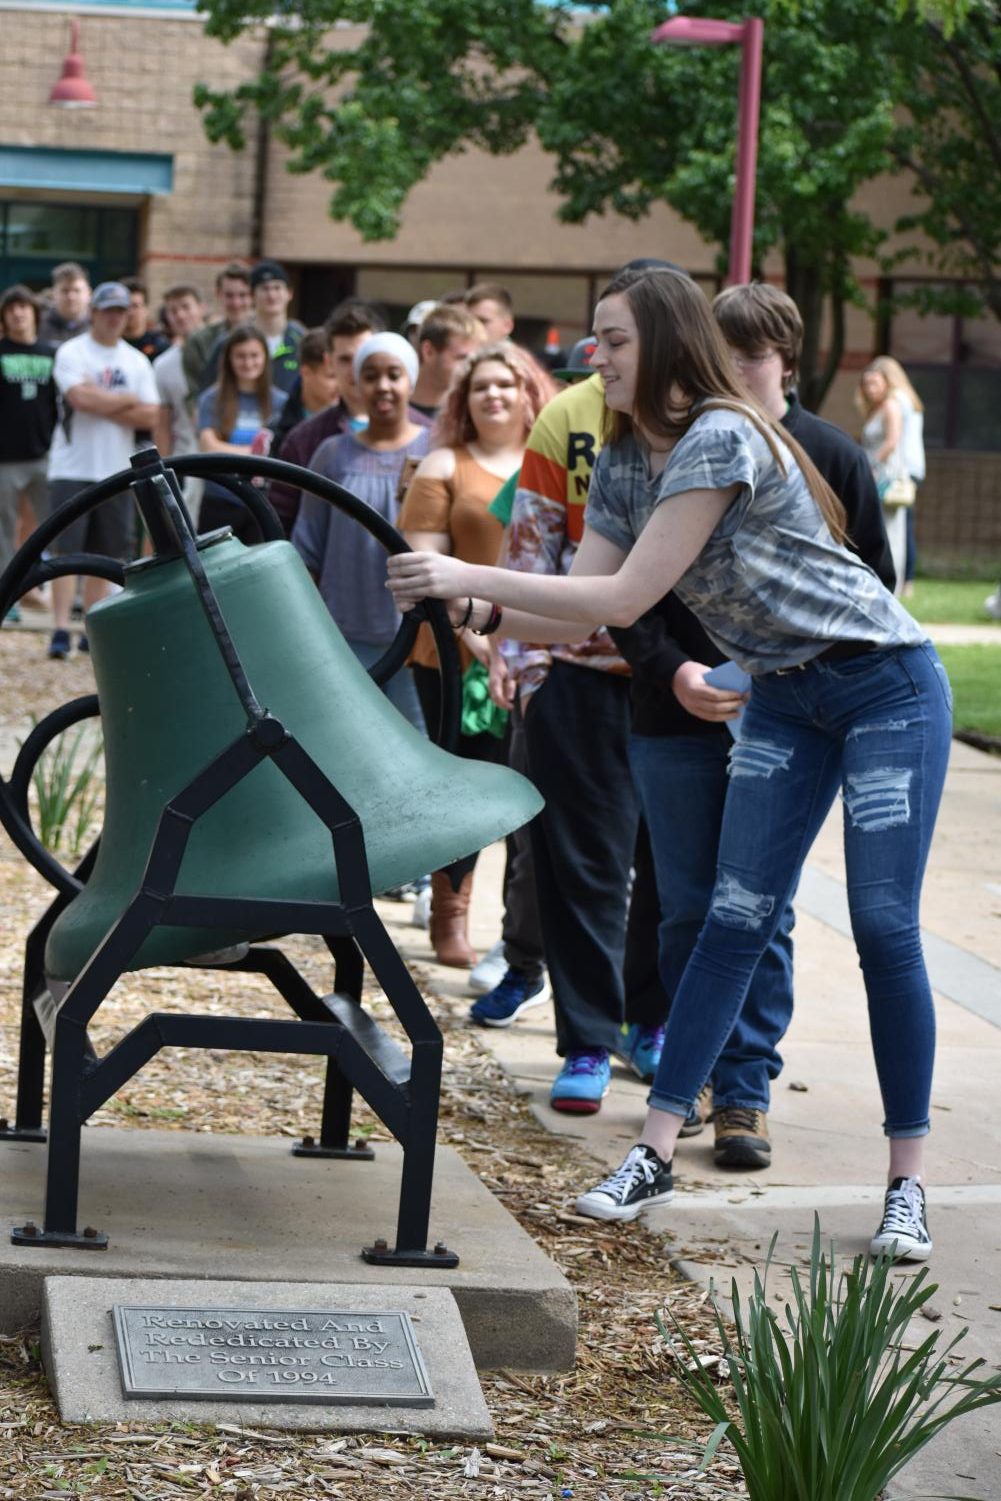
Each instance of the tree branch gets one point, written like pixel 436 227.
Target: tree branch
pixel 983 253
pixel 988 129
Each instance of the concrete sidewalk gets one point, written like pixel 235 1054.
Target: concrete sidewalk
pixel 828 1154
pixel 828 1151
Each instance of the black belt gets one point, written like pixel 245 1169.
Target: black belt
pixel 838 651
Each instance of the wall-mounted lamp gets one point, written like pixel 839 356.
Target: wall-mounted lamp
pixel 74 90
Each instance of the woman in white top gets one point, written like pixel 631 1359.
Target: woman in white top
pixel 882 437
pixel 913 443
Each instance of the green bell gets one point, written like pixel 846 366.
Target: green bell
pixel 168 707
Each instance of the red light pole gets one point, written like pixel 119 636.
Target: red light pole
pixel 690 31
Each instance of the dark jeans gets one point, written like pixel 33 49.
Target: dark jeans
pixel 646 1000
pixel 521 932
pixel 682 785
pixel 576 733
pixel 911 557
pixel 878 726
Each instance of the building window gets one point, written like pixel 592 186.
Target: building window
pixel 35 236
pixel 954 361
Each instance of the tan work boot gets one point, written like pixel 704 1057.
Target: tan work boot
pixel 741 1137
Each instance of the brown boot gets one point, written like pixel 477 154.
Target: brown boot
pixel 449 930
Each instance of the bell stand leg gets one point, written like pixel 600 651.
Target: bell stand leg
pixel 351 863
pixel 414 1210
pixel 31 1049
pixel 335 1125
pixel 338 1094
pixel 71 1057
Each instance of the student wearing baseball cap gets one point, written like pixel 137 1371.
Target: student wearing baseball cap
pixel 271 295
pixel 416 316
pixel 107 391
pixel 578 365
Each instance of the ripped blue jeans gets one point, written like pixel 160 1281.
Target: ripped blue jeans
pixel 877 727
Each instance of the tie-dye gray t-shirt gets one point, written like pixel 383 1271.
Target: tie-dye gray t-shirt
pixel 771 586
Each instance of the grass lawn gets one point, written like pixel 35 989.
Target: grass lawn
pixel 952 602
pixel 975 674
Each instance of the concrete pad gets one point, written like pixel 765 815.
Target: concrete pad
pixel 81 1363
pixel 196 1205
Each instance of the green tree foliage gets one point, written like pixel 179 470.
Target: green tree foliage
pixel 426 79
pixel 950 140
pixel 851 89
pixel 826 123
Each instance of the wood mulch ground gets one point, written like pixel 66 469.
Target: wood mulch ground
pixel 619 1426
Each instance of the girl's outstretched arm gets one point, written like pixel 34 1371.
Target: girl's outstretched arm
pixel 605 586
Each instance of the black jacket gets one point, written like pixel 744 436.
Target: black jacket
pixel 669 634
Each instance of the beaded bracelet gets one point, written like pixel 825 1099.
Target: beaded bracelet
pixel 492 622
pixel 467 617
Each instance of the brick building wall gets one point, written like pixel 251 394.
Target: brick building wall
pixel 143 71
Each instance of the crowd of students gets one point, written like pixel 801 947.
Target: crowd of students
pixel 674 596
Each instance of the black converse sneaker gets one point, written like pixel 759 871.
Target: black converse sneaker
pixel 904 1230
pixel 641 1181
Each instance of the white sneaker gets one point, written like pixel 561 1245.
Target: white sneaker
pixel 904 1231
pixel 489 972
pixel 420 917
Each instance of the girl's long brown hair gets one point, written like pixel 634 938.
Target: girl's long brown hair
pixel 681 348
pixel 227 404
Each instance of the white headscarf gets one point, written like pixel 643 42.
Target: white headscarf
pixel 393 344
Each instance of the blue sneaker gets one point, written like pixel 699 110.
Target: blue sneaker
pixel 59 645
pixel 641 1048
pixel 83 644
pixel 515 993
pixel 582 1083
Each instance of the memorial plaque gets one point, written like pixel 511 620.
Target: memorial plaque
pixel 255 1355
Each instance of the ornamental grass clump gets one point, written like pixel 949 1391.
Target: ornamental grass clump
pixel 68 786
pixel 830 1405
